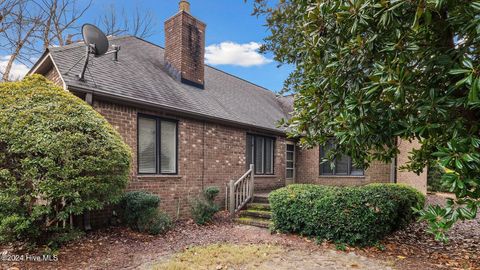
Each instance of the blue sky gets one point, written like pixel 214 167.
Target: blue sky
pixel 232 35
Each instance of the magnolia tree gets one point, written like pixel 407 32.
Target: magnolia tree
pixel 370 71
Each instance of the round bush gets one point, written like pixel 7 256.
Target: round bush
pixel 136 206
pixel 58 157
pixel 353 215
pixel 157 223
pixel 139 210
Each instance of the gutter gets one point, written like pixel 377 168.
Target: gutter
pixel 152 106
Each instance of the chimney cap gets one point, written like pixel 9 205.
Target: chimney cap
pixel 184 5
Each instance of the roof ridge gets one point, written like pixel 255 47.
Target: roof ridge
pixel 77 44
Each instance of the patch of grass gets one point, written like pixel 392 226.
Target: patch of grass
pixel 224 256
pixel 341 247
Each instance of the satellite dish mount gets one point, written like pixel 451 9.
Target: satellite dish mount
pixel 96 43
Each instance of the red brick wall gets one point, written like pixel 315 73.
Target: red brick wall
pixel 185 46
pixel 53 76
pixel 308 171
pixel 208 151
pixel 409 178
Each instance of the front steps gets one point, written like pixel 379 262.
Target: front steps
pixel 256 213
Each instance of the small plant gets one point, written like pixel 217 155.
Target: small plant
pixel 157 223
pixel 204 207
pixel 59 237
pixel 341 247
pixel 380 247
pixel 139 211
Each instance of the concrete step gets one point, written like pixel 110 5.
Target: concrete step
pixel 258 206
pixel 257 222
pixel 256 213
pixel 260 198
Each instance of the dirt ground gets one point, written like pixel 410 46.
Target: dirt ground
pixel 412 248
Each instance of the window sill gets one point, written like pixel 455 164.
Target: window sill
pixel 157 176
pixel 265 175
pixel 342 176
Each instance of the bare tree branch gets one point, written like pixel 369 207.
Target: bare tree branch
pixel 19 33
pixel 28 27
pixel 140 23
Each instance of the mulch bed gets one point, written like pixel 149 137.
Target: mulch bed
pixel 414 244
pixel 121 248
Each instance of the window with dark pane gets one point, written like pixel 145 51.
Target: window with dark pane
pixel 325 166
pixel 342 165
pixel 260 152
pixel 157 145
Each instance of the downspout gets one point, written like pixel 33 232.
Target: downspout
pixel 86 215
pixel 203 154
pixel 393 170
pixel 393 167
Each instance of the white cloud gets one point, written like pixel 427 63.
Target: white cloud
pixel 230 53
pixel 18 70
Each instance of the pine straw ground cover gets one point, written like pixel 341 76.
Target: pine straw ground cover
pixel 119 248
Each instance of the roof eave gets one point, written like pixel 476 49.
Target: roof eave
pixel 150 105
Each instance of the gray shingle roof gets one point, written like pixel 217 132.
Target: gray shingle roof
pixel 139 75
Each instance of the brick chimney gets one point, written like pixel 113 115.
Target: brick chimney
pixel 185 47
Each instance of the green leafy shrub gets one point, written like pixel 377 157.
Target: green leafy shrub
pixel 204 207
pixel 352 215
pixel 157 223
pixel 434 180
pixel 60 236
pixel 139 210
pixel 58 157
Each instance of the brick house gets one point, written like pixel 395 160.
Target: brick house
pixel 191 126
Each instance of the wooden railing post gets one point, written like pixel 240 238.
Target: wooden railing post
pixel 252 179
pixel 232 197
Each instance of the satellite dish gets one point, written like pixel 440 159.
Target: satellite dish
pixel 96 43
pixel 94 37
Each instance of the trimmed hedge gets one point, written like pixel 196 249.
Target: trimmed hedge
pixel 353 215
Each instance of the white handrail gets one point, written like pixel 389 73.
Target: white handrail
pixel 240 192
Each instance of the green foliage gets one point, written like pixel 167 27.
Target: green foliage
pixel 370 71
pixel 59 237
pixel 434 180
pixel 139 210
pixel 137 205
pixel 156 223
pixel 351 215
pixel 58 157
pixel 203 207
